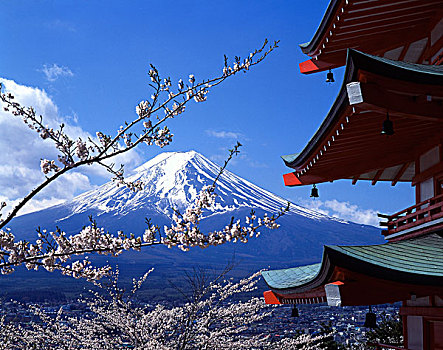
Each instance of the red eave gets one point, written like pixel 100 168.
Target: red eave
pixel 355 289
pixel 314 66
pixel 291 179
pixel 271 298
pixel 402 30
pixel 314 296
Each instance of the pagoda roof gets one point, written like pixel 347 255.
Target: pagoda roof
pixel 413 262
pixel 408 30
pixel 411 93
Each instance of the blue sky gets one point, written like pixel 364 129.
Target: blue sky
pixel 91 60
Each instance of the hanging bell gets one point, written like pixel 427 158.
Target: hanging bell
pixel 294 312
pixel 330 77
pixel 370 320
pixel 388 126
pixel 314 191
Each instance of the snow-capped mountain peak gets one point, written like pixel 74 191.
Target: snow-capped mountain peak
pixel 173 180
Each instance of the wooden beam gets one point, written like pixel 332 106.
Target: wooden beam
pixel 365 7
pixel 377 176
pixel 380 17
pixel 425 51
pixel 434 48
pixel 375 96
pixel 405 24
pixel 373 137
pixel 386 144
pixel 362 289
pixel 424 311
pixel 348 148
pixel 342 168
pixel 395 36
pixel 405 87
pixel 439 60
pixel 400 173
pixel 355 179
pixel 403 52
pixel 424 175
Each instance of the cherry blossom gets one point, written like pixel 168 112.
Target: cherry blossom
pixel 210 318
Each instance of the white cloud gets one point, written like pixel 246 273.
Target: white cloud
pixel 55 71
pixel 343 210
pixel 22 149
pixel 224 134
pixel 66 187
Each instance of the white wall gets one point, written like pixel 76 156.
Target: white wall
pixel 427 160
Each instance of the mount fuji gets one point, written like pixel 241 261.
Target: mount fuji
pixel 173 180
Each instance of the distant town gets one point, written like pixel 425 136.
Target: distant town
pixel 346 323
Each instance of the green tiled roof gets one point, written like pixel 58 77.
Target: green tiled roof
pixel 422 68
pixel 423 256
pixel 289 158
pixel 288 278
pixel 411 260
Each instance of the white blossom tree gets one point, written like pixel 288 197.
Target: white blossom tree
pixel 208 320
pixel 53 250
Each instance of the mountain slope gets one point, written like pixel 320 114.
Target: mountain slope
pixel 173 180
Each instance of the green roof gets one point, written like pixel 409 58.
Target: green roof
pixel 416 260
pixel 288 278
pixel 429 69
pixel 423 256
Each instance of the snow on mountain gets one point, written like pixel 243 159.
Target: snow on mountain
pixel 173 180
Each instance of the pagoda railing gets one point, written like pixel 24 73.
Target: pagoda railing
pixel 412 217
pixel 379 346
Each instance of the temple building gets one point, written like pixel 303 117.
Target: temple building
pixel 386 124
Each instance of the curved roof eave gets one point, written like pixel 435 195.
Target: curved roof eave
pixel 292 161
pixel 327 17
pixel 356 60
pixel 422 263
pixel 317 275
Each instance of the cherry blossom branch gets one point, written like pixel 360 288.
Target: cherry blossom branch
pixel 115 320
pixel 53 249
pixel 77 153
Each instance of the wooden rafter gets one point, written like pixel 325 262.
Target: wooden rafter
pixel 403 52
pixel 377 176
pixel 400 173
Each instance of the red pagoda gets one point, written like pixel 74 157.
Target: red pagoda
pixel 385 125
